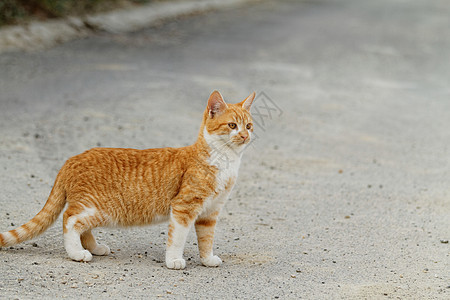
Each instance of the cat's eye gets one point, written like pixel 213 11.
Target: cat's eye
pixel 249 126
pixel 232 125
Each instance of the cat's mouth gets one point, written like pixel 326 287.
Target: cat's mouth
pixel 241 142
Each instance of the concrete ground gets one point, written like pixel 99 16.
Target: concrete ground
pixel 343 195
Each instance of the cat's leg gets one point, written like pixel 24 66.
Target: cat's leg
pixel 88 241
pixel 177 236
pixel 72 241
pixel 204 227
pixel 182 217
pixel 76 221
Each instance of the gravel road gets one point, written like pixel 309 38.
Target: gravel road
pixel 343 195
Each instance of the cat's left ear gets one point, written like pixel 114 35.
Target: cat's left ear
pixel 247 103
pixel 216 104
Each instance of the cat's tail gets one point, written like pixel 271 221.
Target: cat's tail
pixel 43 220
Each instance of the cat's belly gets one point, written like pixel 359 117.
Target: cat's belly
pixel 136 220
pixel 158 219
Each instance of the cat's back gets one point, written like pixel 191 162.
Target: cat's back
pixel 123 166
pixel 122 157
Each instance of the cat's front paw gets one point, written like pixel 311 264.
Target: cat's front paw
pixel 211 261
pixel 84 255
pixel 176 264
pixel 101 250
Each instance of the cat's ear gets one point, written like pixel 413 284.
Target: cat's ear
pixel 216 104
pixel 247 103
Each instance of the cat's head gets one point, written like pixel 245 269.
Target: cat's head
pixel 228 124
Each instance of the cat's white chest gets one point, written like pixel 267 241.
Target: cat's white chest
pixel 225 178
pixel 226 173
pixel 227 165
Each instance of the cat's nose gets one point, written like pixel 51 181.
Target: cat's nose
pixel 244 137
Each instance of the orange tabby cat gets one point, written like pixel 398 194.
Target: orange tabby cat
pixel 125 187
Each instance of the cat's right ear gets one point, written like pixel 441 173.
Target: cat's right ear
pixel 216 104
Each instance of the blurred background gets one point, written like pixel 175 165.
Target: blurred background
pixel 343 194
pixel 19 11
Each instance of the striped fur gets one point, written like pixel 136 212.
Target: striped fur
pixel 43 220
pixel 126 187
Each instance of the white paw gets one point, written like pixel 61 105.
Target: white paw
pixel 84 255
pixel 101 250
pixel 176 264
pixel 211 261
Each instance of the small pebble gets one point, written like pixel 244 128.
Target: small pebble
pixel 444 241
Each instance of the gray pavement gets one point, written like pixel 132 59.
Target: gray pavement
pixel 344 194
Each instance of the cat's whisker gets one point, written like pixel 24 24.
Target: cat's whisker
pixel 218 149
pixel 223 145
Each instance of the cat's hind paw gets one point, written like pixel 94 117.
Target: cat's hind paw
pixel 83 255
pixel 211 261
pixel 101 250
pixel 176 264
